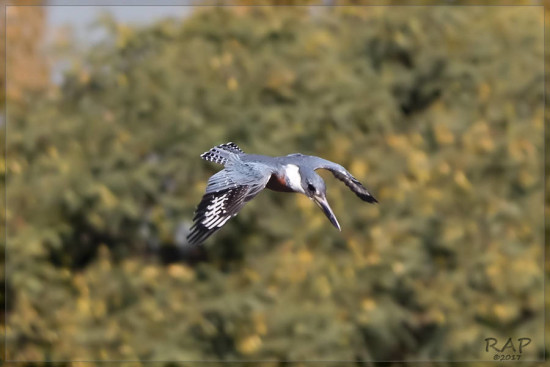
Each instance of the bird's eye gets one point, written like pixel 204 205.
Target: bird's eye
pixel 310 187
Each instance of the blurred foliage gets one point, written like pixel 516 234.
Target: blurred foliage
pixel 438 110
pixel 21 30
pixel 28 68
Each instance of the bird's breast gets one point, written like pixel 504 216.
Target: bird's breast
pixel 278 183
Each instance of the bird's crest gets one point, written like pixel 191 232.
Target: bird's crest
pixel 221 153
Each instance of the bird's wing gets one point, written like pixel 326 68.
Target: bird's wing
pixel 343 175
pixel 226 194
pixel 220 154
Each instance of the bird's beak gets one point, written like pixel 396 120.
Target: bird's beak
pixel 321 200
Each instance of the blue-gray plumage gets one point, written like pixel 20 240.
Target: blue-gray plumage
pixel 245 175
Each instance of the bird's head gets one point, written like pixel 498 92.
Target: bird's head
pixel 314 188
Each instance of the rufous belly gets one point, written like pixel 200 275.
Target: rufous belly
pixel 277 183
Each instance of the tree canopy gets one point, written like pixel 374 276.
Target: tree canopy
pixel 438 110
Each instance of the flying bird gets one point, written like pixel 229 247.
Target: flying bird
pixel 245 175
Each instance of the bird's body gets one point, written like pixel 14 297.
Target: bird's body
pixel 245 175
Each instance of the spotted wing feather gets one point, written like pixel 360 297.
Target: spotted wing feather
pixel 221 153
pixel 214 210
pixel 226 194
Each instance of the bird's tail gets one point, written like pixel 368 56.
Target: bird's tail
pixel 221 153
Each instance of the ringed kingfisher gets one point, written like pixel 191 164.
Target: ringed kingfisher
pixel 245 175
